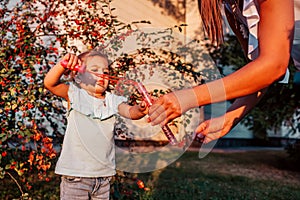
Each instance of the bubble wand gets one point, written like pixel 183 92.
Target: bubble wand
pixel 139 86
pixel 77 68
pixel 147 98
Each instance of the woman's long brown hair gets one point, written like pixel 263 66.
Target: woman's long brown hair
pixel 210 11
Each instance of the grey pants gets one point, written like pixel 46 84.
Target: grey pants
pixel 73 188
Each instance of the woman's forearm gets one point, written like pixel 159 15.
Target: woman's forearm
pixel 275 35
pixel 242 106
pixel 251 78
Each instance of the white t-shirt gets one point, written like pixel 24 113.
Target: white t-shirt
pixel 88 147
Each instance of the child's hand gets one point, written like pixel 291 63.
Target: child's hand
pixel 71 62
pixel 143 108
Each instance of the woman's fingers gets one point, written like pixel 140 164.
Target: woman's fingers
pixel 202 128
pixel 214 128
pixel 165 109
pixel 157 114
pixel 211 137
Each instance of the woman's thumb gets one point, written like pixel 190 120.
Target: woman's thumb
pixel 201 128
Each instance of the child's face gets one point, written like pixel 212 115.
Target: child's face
pixel 92 82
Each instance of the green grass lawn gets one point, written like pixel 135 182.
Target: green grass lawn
pixel 238 175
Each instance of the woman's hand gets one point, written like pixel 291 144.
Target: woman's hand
pixel 171 106
pixel 214 128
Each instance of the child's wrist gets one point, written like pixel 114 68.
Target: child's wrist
pixel 65 71
pixel 61 66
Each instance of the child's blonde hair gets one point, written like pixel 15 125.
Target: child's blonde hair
pixel 91 53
